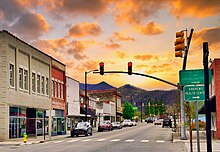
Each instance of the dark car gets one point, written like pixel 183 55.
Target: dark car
pixel 167 122
pixel 149 120
pixel 117 125
pixel 81 128
pixel 105 125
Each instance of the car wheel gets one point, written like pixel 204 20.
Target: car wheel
pixel 91 133
pixel 86 134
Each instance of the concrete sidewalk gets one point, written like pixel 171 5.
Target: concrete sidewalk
pixel 36 140
pixel 202 137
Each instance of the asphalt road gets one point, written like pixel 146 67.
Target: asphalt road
pixel 141 138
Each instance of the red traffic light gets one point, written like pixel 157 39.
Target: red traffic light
pixel 101 68
pixel 129 68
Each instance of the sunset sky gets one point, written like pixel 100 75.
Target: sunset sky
pixel 82 33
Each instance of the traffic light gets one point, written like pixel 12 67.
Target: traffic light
pixel 179 44
pixel 101 68
pixel 129 68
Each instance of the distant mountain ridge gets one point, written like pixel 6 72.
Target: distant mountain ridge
pixel 134 94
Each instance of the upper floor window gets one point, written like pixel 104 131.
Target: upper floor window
pixel 11 75
pixel 52 88
pixel 47 81
pixel 38 83
pixel 58 90
pixel 25 79
pixel 61 92
pixel 20 78
pixel 33 82
pixel 42 85
pixel 55 89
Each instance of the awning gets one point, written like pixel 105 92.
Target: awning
pixel 119 114
pixel 212 104
pixel 89 112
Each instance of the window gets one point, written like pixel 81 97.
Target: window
pixel 55 89
pixel 11 75
pixel 38 83
pixel 47 81
pixel 58 90
pixel 52 88
pixel 33 82
pixel 61 91
pixel 42 85
pixel 25 79
pixel 20 78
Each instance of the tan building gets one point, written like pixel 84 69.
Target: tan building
pixel 24 88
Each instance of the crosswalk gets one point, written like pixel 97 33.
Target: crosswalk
pixel 108 140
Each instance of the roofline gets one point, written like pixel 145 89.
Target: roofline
pixel 7 32
pixel 72 79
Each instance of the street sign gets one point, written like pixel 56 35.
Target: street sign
pixel 194 93
pixel 193 77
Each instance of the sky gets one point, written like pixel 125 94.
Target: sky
pixel 83 33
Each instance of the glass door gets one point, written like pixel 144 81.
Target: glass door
pixel 13 127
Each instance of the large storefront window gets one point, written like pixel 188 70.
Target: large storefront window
pixel 58 124
pixel 17 124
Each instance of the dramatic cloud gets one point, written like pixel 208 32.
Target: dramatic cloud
pixel 85 29
pixel 133 11
pixel 145 57
pixel 122 37
pixel 211 35
pixel 121 54
pixel 159 68
pixel 30 26
pixel 77 49
pixel 142 66
pixel 113 45
pixel 149 29
pixel 201 9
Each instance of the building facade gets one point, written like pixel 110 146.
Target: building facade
pixel 24 88
pixel 58 102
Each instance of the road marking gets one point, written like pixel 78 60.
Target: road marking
pixel 144 141
pixel 116 140
pixel 160 141
pixel 86 140
pixel 129 140
pixel 101 139
pixel 73 140
pixel 56 142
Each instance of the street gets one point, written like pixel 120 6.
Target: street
pixel 141 138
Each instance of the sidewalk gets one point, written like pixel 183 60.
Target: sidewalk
pixel 202 137
pixel 36 140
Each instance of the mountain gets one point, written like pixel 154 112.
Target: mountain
pixel 100 86
pixel 133 94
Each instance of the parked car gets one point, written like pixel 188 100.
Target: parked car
pixel 81 128
pixel 157 122
pixel 134 123
pixel 167 122
pixel 117 125
pixel 105 125
pixel 127 122
pixel 149 120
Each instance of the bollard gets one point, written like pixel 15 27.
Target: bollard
pixel 25 137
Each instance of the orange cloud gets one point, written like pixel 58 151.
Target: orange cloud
pixel 121 55
pixel 149 29
pixel 122 37
pixel 113 45
pixel 142 66
pixel 133 11
pixel 85 29
pixel 77 48
pixel 201 9
pixel 145 57
pixel 159 68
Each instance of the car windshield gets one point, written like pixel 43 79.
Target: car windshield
pixel 80 124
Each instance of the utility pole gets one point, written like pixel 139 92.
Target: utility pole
pixel 207 102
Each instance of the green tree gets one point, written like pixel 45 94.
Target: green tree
pixel 149 108
pixel 128 111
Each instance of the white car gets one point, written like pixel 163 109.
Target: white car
pixel 127 122
pixel 134 123
pixel 157 122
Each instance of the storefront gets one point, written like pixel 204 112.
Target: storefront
pixel 58 125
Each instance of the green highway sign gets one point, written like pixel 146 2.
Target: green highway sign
pixel 193 77
pixel 194 93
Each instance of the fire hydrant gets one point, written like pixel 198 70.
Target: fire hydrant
pixel 25 137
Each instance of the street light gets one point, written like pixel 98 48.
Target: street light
pixel 86 89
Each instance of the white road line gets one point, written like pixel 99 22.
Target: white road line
pixel 116 140
pixel 86 140
pixel 144 141
pixel 73 140
pixel 129 140
pixel 56 142
pixel 160 141
pixel 101 139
